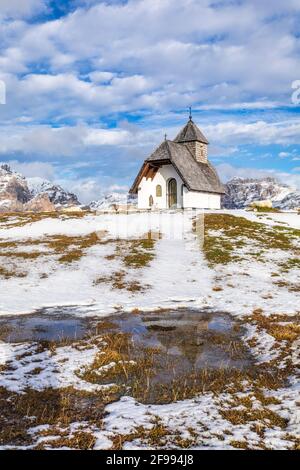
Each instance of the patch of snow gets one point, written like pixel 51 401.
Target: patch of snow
pixel 58 369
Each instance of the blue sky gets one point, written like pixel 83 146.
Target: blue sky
pixel 92 86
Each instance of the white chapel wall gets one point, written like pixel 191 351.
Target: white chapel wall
pixel 148 188
pixel 193 199
pixel 190 199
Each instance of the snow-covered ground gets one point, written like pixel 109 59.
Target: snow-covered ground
pixel 176 274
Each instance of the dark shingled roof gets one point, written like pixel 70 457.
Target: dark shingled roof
pixel 190 133
pixel 195 175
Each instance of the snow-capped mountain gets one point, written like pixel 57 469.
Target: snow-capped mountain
pixel 241 192
pixel 291 201
pixel 14 191
pixel 18 193
pixel 57 195
pixel 111 200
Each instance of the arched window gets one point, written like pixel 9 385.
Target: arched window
pixel 158 191
pixel 172 192
pixel 151 201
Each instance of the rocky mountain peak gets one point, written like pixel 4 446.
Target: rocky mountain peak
pixel 57 195
pixel 6 168
pixel 20 194
pixel 241 192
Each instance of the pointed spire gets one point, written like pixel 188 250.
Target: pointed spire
pixel 191 133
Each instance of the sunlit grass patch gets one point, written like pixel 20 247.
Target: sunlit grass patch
pixel 291 263
pixel 20 219
pixel 72 248
pixel 69 249
pixel 140 253
pixel 234 233
pixel 281 327
pixel 265 209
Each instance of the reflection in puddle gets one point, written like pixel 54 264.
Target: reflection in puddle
pixel 41 327
pixel 157 357
pixel 194 339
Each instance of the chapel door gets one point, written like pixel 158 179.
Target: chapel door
pixel 172 192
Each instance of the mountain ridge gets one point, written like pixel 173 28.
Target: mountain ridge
pixel 241 192
pixel 20 194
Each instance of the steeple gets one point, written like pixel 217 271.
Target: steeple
pixel 194 139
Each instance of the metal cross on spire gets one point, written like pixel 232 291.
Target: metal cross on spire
pixel 165 136
pixel 190 116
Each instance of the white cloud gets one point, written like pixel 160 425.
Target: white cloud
pixel 98 137
pixel 259 132
pixel 43 140
pixel 220 63
pixel 33 169
pixel 85 189
pixel 21 8
pixel 76 140
pixel 284 154
pixel 101 77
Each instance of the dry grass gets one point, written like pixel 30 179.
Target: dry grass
pixel 12 272
pixel 140 253
pixel 217 288
pixel 72 248
pixel 26 255
pixel 134 368
pixel 118 281
pixel 291 263
pixel 237 232
pixel 79 440
pixel 20 219
pixel 134 254
pixel 265 209
pixel 154 437
pixel 68 249
pixel 137 370
pixel 281 327
pixel 54 407
pixel 240 410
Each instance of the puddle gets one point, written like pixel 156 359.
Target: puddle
pixel 194 339
pixel 158 357
pixel 40 327
pixel 176 354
